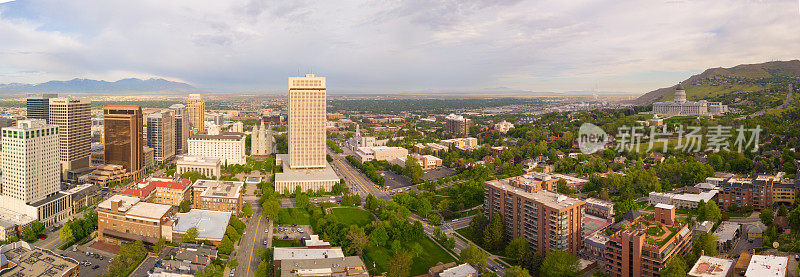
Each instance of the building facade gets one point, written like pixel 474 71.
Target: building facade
pixel 38 106
pixel 207 166
pixel 760 192
pixel 679 106
pixel 123 219
pixel 228 147
pixel 73 118
pixel 262 141
pixel 161 135
pixel 380 153
pixel 181 128
pixel 457 125
pixel 547 220
pixel 213 195
pixel 503 126
pixel 307 110
pixel 123 141
pixel 196 112
pixel 169 191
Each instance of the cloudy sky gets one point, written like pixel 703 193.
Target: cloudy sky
pixel 394 46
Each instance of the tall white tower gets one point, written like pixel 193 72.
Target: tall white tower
pixel 31 167
pixel 307 122
pixel 74 120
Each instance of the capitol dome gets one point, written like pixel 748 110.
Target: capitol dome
pixel 680 93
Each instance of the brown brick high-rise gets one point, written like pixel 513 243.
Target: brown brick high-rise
pixel 123 137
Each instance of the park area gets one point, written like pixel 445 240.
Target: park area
pixel 353 216
pixel 420 264
pixel 290 216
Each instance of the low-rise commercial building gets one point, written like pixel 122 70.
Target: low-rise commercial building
pixel 328 267
pixel 599 208
pixel 712 267
pixel 210 225
pixel 21 259
pixel 380 153
pixel 425 161
pixel 207 166
pixel 214 195
pixel 761 265
pixel 123 219
pixel 104 175
pixel 682 201
pixel 170 191
pixel 726 235
pixel 308 179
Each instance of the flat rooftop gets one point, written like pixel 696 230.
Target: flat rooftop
pixel 149 210
pixel 208 223
pixel 711 267
pixel 127 201
pixel 459 271
pixel 221 136
pixel 547 198
pixel 726 231
pixel 302 253
pixel 761 265
pixel 220 189
pixel 304 175
pixel 339 267
pixel 32 261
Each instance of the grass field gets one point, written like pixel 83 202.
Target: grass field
pixel 419 266
pixel 293 216
pixel 353 216
pixel 286 243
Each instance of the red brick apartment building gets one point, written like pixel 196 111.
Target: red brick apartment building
pixel 761 192
pixel 645 246
pixel 547 220
pixel 122 219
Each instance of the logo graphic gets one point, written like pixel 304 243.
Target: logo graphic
pixel 591 138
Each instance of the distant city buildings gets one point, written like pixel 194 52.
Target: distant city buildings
pixel 306 166
pixel 161 135
pixel 503 126
pixel 196 112
pixel 457 125
pixel 123 138
pixel 73 118
pixel 547 220
pixel 679 106
pixel 32 172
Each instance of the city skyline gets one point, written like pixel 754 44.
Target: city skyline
pixel 395 47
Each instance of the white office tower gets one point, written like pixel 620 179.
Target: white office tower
pixel 161 135
pixel 32 172
pixel 307 122
pixel 305 166
pixel 262 141
pixel 181 128
pixel 74 120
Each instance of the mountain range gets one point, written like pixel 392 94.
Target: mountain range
pixel 77 85
pixel 716 81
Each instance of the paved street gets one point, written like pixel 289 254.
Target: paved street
pixel 252 240
pixel 355 180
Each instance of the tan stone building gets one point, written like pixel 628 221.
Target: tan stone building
pixel 196 111
pixel 307 146
pixel 169 191
pixel 123 219
pixel 72 115
pixel 214 195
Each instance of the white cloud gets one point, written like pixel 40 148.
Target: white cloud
pixel 384 46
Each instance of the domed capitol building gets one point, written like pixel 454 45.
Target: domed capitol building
pixel 679 106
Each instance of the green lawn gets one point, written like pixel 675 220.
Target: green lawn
pixel 353 216
pixel 293 216
pixel 737 214
pixel 420 265
pixel 286 243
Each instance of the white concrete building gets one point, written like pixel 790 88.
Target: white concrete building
pixel 262 141
pixel 503 126
pixel 237 127
pixel 73 118
pixel 761 265
pixel 208 166
pixel 682 201
pixel 32 172
pixel 228 147
pixel 679 106
pixel 161 135
pixel 380 153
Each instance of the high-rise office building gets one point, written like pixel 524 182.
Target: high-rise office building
pixel 123 137
pixel 196 112
pixel 73 117
pixel 161 135
pixel 32 172
pixel 305 167
pixel 307 122
pixel 181 128
pixel 38 106
pixel 457 125
pixel 547 220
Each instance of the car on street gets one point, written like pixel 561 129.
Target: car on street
pixel 96 267
pixel 265 242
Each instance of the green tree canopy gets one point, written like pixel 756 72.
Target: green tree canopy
pixel 560 264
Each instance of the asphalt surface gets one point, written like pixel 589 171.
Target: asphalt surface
pixel 252 240
pixel 355 180
pixel 80 256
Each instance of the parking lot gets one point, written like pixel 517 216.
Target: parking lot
pixel 97 266
pixel 394 180
pixel 435 174
pixel 292 232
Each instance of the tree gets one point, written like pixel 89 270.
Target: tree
pixel 399 264
pixel 435 219
pixel 185 206
pixel 358 239
pixel 232 233
pixel 29 235
pixel 379 236
pixel 247 210
pixel 517 271
pixel 766 216
pixel 159 245
pixel 270 208
pixel 413 170
pixel 190 235
pixel 65 235
pixel 372 203
pixel 558 263
pixel 478 225
pixel 794 219
pixel 783 211
pixel 493 235
pixel 128 257
pixel 226 245
pixel 517 250
pixel 676 267
pixel 712 211
pixel 302 200
pixel 193 175
pixel 474 256
pixel 424 207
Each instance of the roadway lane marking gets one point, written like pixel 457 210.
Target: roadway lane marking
pixel 255 233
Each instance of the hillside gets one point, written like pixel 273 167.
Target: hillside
pixel 717 81
pixel 124 86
